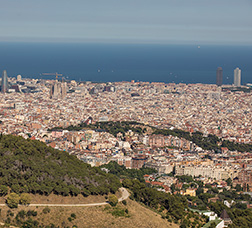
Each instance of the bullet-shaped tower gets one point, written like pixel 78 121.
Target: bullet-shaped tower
pixel 4 85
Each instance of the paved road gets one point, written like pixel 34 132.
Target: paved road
pixel 125 195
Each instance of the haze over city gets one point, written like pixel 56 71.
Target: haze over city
pixel 142 21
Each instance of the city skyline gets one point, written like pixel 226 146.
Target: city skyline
pixel 58 89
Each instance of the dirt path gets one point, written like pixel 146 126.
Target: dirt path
pixel 125 195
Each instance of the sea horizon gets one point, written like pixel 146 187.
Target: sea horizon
pixel 99 62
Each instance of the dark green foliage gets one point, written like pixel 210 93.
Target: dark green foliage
pixel 70 219
pixel 238 188
pixel 23 219
pixel 10 213
pixel 205 196
pixel 240 217
pixel 30 223
pixel 31 213
pixel 199 191
pixel 110 126
pixel 185 178
pixel 229 181
pixel 124 202
pixel 113 200
pixel 122 172
pixel 174 205
pixel 73 215
pixel 21 214
pixel 46 210
pixel 118 212
pixel 8 220
pixel 33 167
pixel 3 190
pixel 241 206
pixel 217 207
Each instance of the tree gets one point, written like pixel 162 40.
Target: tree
pixel 229 181
pixel 212 225
pixel 173 188
pixel 241 205
pixel 238 188
pixel 112 200
pixel 199 191
pixel 25 199
pixel 3 190
pixel 12 200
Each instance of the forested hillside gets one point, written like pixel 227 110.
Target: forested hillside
pixel 31 166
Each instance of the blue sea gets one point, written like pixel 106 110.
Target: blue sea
pixel 125 62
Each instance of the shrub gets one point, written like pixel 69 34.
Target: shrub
pixel 8 220
pixel 73 216
pixel 32 213
pixel 113 200
pixel 12 200
pixel 21 214
pixel 124 202
pixel 118 212
pixel 46 210
pixel 25 199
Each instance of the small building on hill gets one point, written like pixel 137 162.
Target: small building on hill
pixel 224 216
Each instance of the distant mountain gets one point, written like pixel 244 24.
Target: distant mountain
pixel 31 166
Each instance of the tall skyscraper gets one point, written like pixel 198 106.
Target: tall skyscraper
pixel 237 77
pixel 4 85
pixel 219 76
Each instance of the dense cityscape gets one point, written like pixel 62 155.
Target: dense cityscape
pixel 63 115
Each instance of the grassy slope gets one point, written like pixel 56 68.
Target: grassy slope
pixel 97 217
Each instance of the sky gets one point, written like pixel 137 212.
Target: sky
pixel 131 21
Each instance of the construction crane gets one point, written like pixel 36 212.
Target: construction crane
pixel 56 75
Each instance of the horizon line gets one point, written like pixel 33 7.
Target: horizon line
pixel 124 42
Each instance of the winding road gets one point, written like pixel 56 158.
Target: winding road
pixel 125 195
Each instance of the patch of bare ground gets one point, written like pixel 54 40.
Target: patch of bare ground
pixel 57 199
pixel 95 217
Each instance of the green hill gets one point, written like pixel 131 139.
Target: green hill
pixel 31 166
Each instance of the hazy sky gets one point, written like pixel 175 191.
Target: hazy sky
pixel 127 21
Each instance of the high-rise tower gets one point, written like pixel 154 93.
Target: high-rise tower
pixel 219 76
pixel 237 77
pixel 4 85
